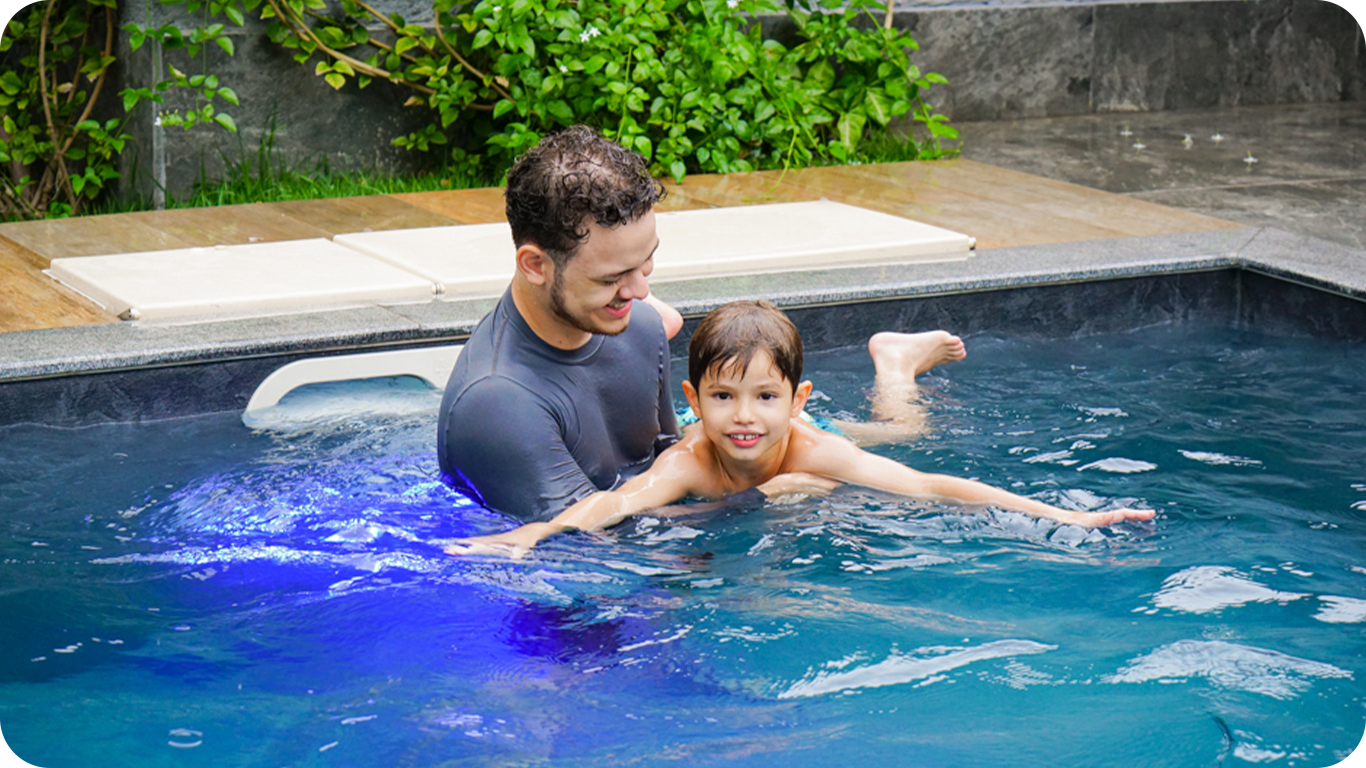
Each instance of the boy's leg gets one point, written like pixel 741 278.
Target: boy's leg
pixel 898 359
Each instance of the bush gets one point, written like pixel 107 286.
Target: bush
pixel 691 84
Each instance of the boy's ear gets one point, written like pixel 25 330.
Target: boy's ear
pixel 534 264
pixel 691 394
pixel 799 398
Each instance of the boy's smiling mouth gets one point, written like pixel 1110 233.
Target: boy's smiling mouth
pixel 745 439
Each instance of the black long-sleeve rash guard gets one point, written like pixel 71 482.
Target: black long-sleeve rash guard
pixel 528 429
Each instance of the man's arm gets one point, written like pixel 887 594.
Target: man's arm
pixel 839 459
pixel 669 480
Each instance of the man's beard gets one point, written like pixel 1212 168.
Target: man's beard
pixel 561 311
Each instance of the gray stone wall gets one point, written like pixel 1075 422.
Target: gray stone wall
pixel 281 101
pixel 1002 61
pixel 1073 59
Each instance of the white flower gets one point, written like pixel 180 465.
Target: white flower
pixel 497 8
pixel 589 34
pixel 732 4
pixel 563 68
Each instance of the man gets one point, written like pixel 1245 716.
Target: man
pixel 563 390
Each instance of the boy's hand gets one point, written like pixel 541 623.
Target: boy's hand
pixel 513 544
pixel 798 484
pixel 1099 519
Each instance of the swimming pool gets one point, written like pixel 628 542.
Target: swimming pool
pixel 189 591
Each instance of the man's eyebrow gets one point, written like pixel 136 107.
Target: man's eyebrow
pixel 625 272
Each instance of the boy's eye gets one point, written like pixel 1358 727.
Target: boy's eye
pixel 768 396
pixel 721 395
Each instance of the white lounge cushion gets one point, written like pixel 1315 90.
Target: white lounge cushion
pixel 257 278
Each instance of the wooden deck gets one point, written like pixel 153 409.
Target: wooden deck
pixel 1001 208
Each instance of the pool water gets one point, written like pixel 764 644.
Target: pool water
pixel 192 592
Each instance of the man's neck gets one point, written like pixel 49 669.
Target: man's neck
pixel 534 305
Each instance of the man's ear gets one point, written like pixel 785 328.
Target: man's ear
pixel 691 394
pixel 534 264
pixel 799 397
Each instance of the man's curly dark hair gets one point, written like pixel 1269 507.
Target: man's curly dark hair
pixel 569 177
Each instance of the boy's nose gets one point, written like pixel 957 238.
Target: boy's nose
pixel 742 412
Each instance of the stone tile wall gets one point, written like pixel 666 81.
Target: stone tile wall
pixel 1075 59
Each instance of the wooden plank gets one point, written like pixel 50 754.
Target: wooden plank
pixel 88 236
pixel 372 213
pixel 222 225
pixel 463 206
pixel 30 300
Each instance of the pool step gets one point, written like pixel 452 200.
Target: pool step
pixel 431 364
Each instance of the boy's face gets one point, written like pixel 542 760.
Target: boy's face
pixel 746 415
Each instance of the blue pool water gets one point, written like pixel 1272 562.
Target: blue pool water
pixel 193 592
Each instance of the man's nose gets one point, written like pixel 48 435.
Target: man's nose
pixel 635 286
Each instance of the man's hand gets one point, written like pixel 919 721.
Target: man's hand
pixel 513 544
pixel 796 486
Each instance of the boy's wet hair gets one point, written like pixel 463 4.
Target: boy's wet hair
pixel 727 338
pixel 569 178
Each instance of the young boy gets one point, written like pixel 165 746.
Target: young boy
pixel 744 370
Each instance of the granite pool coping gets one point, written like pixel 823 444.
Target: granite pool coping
pixel 72 351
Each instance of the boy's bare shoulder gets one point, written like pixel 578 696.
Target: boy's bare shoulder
pixel 689 461
pixel 811 448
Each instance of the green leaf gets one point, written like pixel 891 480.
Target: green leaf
pixel 678 170
pixel 335 80
pixel 594 63
pixel 404 44
pixel 821 75
pixel 228 95
pixel 234 14
pixel 877 106
pixel 644 146
pixel 502 108
pixel 850 129
pixel 482 38
pixel 226 44
pixel 559 108
pixel 225 120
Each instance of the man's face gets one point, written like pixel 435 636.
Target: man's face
pixel 594 290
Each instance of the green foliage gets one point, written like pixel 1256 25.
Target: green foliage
pixel 56 58
pixel 691 84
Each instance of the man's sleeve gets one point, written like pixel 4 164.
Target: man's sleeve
pixel 505 449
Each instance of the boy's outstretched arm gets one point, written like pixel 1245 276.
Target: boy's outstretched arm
pixel 843 461
pixel 667 481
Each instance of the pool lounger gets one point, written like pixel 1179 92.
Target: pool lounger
pixel 258 278
pixel 475 260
